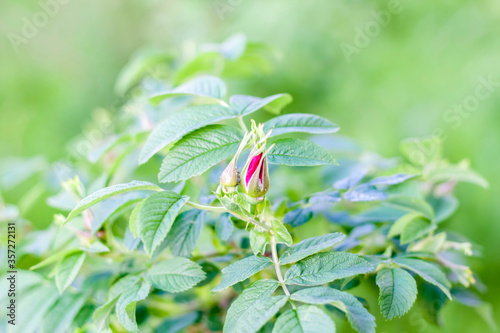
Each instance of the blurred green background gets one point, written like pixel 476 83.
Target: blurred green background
pixel 382 70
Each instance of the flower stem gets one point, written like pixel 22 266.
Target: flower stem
pixel 242 124
pixel 278 269
pixel 253 221
pixel 218 209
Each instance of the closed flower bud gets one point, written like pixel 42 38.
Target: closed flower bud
pixel 255 175
pixel 229 179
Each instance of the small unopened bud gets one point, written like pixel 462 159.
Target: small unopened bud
pixel 230 178
pixel 255 176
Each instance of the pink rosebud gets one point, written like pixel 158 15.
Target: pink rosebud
pixel 256 175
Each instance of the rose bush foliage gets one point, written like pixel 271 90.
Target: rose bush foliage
pixel 190 213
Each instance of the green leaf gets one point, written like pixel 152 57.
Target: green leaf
pixel 444 207
pixel 297 152
pixel 241 270
pixel 54 258
pixel 278 104
pixel 430 244
pixel 34 304
pixel 125 306
pixel 101 314
pixel 232 48
pixel 138 67
pixel 398 292
pixel 134 219
pixel 411 204
pixel 359 318
pixel 326 267
pixel 199 151
pixel 122 285
pixel 259 238
pixel 224 227
pixel 281 233
pixel 67 270
pixel 421 151
pixel 96 247
pixel 431 301
pixel 156 217
pixel 400 224
pixel 175 275
pixel 203 86
pixel 178 124
pixel 179 323
pixel 304 319
pixel 428 271
pixel 310 246
pixel 60 317
pixel 108 192
pixel 202 63
pixel 253 308
pixel 185 232
pixel 245 105
pixel 458 173
pixel 108 209
pixel 298 216
pixel 415 229
pixel 300 122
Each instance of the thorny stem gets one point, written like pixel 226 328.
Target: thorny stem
pixel 274 252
